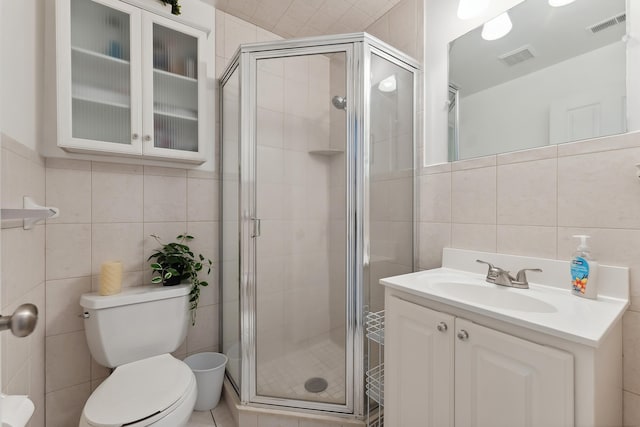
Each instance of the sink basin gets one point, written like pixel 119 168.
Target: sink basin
pixel 504 298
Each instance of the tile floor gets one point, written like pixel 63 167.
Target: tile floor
pixel 218 417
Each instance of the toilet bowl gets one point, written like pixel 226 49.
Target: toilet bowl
pixel 135 332
pixel 159 391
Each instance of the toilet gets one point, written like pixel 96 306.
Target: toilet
pixel 134 332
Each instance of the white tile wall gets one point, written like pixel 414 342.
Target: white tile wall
pixel 23 275
pixel 293 199
pixel 112 209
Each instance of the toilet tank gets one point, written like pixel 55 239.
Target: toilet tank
pixel 137 323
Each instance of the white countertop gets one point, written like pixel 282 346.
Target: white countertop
pixel 547 307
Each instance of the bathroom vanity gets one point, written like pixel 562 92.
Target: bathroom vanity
pixel 460 351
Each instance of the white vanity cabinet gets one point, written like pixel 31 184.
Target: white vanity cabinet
pixel 129 82
pixel 419 366
pixel 443 370
pixel 502 380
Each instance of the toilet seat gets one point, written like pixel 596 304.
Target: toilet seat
pixel 140 393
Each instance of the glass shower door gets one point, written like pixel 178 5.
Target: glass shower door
pixel 300 274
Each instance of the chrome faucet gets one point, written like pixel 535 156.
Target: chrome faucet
pixel 502 277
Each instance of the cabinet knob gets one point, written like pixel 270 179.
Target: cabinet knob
pixel 135 136
pixel 463 335
pixel 147 137
pixel 442 327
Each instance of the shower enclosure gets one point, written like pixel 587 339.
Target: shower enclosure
pixel 317 196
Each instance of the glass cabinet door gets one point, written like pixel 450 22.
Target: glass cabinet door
pixel 171 89
pixel 99 77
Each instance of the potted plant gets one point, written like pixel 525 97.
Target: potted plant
pixel 175 7
pixel 175 262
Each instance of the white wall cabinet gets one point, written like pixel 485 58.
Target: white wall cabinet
pixel 443 370
pixel 129 82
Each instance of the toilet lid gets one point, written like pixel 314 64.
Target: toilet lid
pixel 138 390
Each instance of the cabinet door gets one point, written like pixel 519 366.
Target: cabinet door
pixel 419 366
pixel 98 76
pixel 173 84
pixel 506 381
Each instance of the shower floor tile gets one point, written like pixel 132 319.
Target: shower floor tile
pixel 285 376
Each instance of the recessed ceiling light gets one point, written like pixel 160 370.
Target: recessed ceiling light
pixel 497 28
pixel 558 3
pixel 468 9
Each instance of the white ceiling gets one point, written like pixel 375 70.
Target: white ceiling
pixel 553 33
pixel 300 18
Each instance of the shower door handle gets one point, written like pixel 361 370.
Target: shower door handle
pixel 256 227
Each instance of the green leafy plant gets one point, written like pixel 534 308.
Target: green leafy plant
pixel 174 262
pixel 175 7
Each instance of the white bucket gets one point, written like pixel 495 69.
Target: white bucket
pixel 209 371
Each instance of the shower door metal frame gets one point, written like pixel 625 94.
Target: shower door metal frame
pixel 234 65
pixel 249 57
pixel 358 48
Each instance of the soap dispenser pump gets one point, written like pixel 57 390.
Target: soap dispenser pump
pixel 584 270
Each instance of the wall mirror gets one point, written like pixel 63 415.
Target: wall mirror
pixel 558 76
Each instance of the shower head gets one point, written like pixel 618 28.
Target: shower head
pixel 340 102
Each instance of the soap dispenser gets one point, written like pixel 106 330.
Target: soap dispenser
pixel 584 270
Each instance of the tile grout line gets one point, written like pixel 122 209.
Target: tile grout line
pixel 215 424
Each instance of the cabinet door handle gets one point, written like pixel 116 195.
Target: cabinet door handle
pixel 442 327
pixel 147 137
pixel 135 136
pixel 463 335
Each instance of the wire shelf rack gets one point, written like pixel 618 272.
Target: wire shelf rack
pixel 375 384
pixel 375 326
pixel 374 375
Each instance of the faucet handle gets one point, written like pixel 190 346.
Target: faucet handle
pixel 493 270
pixel 521 277
pixel 491 266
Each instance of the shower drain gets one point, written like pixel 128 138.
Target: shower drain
pixel 316 385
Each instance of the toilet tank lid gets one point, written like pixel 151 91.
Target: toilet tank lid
pixel 133 295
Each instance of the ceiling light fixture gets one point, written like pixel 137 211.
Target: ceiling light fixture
pixel 468 9
pixel 558 3
pixel 497 28
pixel 388 85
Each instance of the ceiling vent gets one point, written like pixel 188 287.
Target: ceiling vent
pixel 610 22
pixel 517 56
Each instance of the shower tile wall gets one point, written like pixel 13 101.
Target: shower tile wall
pixel 337 204
pixel 293 203
pixel 23 275
pixel 531 203
pixel 109 211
